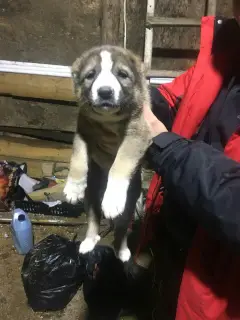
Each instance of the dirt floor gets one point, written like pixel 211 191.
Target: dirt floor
pixel 13 304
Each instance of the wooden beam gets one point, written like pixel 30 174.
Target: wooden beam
pixel 34 149
pixel 111 22
pixel 45 87
pixel 172 22
pixel 28 113
pixel 36 86
pixel 50 135
pixel 164 73
pixel 211 7
pixel 42 81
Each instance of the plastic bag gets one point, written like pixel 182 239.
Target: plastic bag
pixel 52 273
pixel 105 285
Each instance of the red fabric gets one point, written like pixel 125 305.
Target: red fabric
pixel 208 291
pixel 177 87
pixel 232 149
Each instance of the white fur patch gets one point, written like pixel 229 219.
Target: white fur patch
pixel 124 254
pixel 115 197
pixel 74 189
pixel 106 77
pixel 88 244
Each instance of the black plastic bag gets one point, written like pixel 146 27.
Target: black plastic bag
pixel 105 286
pixel 52 273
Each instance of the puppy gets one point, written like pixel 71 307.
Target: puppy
pixel 110 141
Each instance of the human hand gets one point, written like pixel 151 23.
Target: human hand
pixel 155 126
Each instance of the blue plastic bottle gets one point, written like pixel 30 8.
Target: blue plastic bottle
pixel 22 234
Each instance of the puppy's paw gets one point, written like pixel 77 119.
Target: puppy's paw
pixel 124 255
pixel 74 189
pixel 115 197
pixel 88 244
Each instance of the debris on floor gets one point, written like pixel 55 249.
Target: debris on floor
pixel 39 196
pixel 31 200
pixel 13 301
pixel 20 195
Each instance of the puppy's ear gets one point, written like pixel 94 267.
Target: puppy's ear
pixel 76 70
pixel 140 66
pixel 143 68
pixel 75 75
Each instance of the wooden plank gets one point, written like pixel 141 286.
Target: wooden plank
pixel 211 7
pixel 36 86
pixel 164 73
pixel 34 149
pixel 38 114
pixel 111 22
pixel 45 87
pixel 148 48
pixel 32 85
pixel 50 135
pixel 172 22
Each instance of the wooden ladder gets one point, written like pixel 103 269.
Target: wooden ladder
pixel 153 21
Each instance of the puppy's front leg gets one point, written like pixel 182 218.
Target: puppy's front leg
pixel 128 157
pixel 77 177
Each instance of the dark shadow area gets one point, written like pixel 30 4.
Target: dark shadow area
pixel 43 134
pixel 113 289
pixel 175 53
pixel 50 101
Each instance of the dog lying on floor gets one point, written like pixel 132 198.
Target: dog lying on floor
pixel 110 141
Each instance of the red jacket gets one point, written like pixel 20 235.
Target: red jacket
pixel 198 299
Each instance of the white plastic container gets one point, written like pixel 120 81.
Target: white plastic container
pixel 21 228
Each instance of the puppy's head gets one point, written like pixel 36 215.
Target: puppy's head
pixel 109 79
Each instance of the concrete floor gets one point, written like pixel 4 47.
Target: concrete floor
pixel 13 304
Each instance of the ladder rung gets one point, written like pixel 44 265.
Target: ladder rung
pixel 164 73
pixel 173 22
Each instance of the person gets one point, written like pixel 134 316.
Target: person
pixel 192 222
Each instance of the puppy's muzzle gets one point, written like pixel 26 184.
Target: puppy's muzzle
pixel 106 96
pixel 105 93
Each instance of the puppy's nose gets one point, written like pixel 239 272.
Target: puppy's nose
pixel 105 92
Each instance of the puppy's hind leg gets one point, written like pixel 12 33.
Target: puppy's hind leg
pixel 92 236
pixel 123 221
pixel 96 185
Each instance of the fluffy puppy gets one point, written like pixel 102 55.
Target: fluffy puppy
pixel 110 141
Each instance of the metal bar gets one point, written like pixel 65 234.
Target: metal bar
pixel 172 22
pixel 6 217
pixel 148 47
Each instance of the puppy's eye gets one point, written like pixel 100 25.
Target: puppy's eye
pixel 90 75
pixel 123 74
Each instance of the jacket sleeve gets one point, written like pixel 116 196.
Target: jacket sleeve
pixel 204 182
pixel 166 98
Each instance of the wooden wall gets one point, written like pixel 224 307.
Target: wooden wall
pixel 57 32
